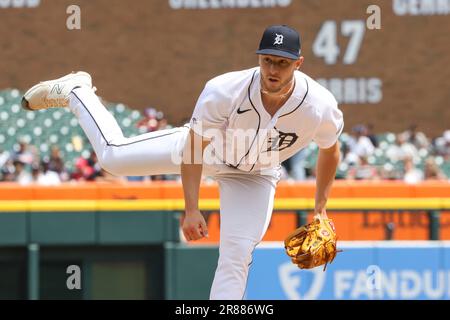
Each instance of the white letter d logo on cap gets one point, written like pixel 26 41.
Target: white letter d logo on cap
pixel 278 39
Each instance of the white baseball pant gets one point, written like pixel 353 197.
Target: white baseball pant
pixel 246 200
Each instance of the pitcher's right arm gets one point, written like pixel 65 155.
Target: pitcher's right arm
pixel 193 223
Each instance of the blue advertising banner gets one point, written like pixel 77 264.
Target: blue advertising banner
pixel 365 270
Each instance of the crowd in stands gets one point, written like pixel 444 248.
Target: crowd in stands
pixel 409 156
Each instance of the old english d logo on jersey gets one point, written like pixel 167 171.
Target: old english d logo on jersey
pixel 282 141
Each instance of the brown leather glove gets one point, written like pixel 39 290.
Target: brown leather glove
pixel 313 244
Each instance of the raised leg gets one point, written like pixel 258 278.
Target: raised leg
pixel 152 153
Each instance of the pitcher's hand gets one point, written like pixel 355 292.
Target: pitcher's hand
pixel 193 225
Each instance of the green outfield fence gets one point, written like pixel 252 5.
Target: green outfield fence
pixel 113 239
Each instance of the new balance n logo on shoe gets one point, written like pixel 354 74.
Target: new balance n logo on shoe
pixel 57 88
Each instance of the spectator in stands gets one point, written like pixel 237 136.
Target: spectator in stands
pixel 371 135
pixel 4 156
pixel 411 175
pixel 92 162
pixel 163 124
pixel 56 163
pixel 22 176
pixel 8 171
pixel 401 149
pixel 432 171
pixel 47 177
pixel 442 145
pixel 359 145
pixel 446 137
pixel 35 171
pixel 415 137
pixel 150 121
pixel 24 153
pixel 363 171
pixel 82 170
pixel 388 172
pixel 362 146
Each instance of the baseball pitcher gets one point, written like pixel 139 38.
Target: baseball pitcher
pixel 244 124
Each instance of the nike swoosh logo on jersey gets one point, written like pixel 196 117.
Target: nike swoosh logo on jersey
pixel 239 111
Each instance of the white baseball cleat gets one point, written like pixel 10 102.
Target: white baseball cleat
pixel 54 93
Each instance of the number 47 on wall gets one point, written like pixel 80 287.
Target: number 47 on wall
pixel 325 45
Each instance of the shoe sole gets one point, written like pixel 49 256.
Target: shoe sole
pixel 69 77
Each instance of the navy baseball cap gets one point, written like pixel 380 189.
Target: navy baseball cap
pixel 280 40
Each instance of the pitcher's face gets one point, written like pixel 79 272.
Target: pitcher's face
pixel 277 72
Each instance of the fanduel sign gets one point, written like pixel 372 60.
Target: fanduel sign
pixel 358 273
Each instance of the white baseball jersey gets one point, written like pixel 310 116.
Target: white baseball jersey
pixel 230 107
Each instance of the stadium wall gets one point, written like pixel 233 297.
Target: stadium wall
pixel 408 210
pixel 161 53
